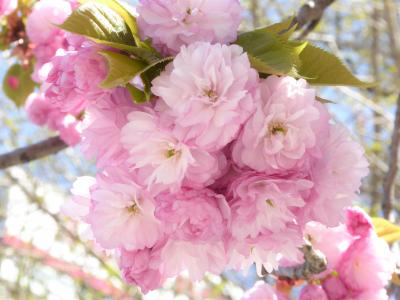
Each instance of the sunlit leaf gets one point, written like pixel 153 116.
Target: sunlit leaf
pixel 386 230
pixel 324 68
pixel 17 84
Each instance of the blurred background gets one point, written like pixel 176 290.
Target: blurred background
pixel 44 255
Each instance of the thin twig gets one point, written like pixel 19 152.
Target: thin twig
pixel 32 152
pixel 310 14
pixel 390 178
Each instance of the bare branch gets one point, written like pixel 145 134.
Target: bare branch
pixel 310 14
pixel 32 152
pixel 388 184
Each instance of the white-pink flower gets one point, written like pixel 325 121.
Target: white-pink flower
pixel 102 125
pixel 74 79
pixel 284 129
pixel 43 18
pixel 153 147
pixel 337 177
pixel 194 215
pixel 263 291
pixel 38 109
pixel 208 89
pixel 173 23
pixel 7 7
pixel 122 214
pixel 260 203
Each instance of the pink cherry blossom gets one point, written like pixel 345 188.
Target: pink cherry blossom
pixel 102 125
pixel 73 82
pixel 194 215
pixel 142 267
pixel 335 184
pixel 7 7
pixel 207 89
pixel 263 291
pixel 284 129
pixel 154 147
pixel 70 131
pixel 195 258
pixel 43 18
pixel 122 215
pixel 313 292
pixel 260 203
pixel 367 264
pixel 173 23
pixel 38 109
pixel 78 206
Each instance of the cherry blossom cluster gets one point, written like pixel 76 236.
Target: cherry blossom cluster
pixel 360 264
pixel 221 169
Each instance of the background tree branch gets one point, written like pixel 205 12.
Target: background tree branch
pixel 310 14
pixel 32 152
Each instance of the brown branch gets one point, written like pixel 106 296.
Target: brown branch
pixel 310 14
pixel 390 178
pixel 314 263
pixel 32 152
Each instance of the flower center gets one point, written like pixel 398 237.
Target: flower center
pixel 133 209
pixel 211 95
pixel 170 153
pixel 275 128
pixel 270 202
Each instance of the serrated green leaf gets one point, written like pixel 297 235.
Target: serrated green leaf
pixel 386 230
pixel 121 69
pixel 324 68
pixel 17 84
pixel 270 54
pixel 100 23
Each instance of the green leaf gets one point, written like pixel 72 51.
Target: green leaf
pixel 324 68
pixel 386 230
pixel 138 95
pixel 17 84
pixel 129 19
pixel 270 54
pixel 100 23
pixel 284 29
pixel 121 69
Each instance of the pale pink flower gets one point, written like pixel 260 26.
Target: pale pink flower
pixel 268 250
pixel 142 267
pixel 73 82
pixel 79 205
pixel 154 147
pixel 195 258
pixel 102 125
pixel 282 133
pixel 173 23
pixel 207 89
pixel 7 7
pixel 260 203
pixel 337 177
pixel 263 291
pixel 38 109
pixel 70 131
pixel 122 215
pixel 313 292
pixel 43 18
pixel 193 215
